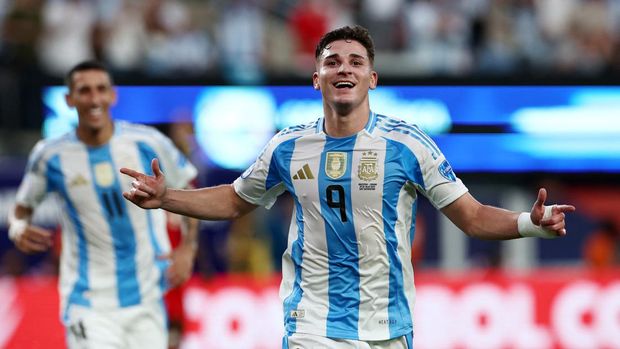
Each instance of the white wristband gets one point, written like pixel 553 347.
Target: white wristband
pixel 17 227
pixel 528 229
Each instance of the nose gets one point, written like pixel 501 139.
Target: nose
pixel 344 68
pixel 96 98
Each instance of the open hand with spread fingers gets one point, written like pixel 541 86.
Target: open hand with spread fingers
pixel 147 191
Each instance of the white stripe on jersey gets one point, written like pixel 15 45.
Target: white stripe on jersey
pixel 370 233
pixel 314 305
pixel 406 213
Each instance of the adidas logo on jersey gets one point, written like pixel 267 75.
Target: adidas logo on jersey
pixel 78 180
pixel 304 173
pixel 298 314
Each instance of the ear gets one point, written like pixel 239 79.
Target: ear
pixel 315 81
pixel 69 100
pixel 374 80
pixel 114 96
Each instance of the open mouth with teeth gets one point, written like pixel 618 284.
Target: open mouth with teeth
pixel 344 84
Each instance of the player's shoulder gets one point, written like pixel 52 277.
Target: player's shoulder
pixel 295 132
pixel 393 127
pixel 301 129
pixel 289 134
pixel 48 146
pixel 123 127
pixel 407 133
pixel 390 123
pixel 137 132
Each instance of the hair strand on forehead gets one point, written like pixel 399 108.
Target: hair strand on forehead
pixel 348 34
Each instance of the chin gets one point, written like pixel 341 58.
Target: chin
pixel 343 108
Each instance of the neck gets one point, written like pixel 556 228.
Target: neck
pixel 345 123
pixel 95 136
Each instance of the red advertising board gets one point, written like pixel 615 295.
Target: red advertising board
pixel 548 308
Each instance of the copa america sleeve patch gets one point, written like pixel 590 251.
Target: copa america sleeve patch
pixel 446 171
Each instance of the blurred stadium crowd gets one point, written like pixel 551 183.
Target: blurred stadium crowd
pixel 249 40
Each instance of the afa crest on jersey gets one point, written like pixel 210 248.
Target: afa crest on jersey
pixel 104 174
pixel 335 164
pixel 367 170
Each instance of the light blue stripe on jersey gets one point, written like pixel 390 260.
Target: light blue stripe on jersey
pixel 56 181
pixel 319 125
pixel 123 236
pixel 278 172
pixel 372 121
pixel 285 341
pixel 409 339
pixel 414 209
pixel 147 154
pixel 399 163
pixel 343 255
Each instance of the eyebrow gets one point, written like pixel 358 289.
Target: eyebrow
pixel 354 55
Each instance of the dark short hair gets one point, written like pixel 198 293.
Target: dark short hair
pixel 85 65
pixel 355 33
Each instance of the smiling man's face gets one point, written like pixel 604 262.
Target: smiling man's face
pixel 92 95
pixel 344 75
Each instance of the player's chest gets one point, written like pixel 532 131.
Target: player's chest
pixel 81 170
pixel 337 172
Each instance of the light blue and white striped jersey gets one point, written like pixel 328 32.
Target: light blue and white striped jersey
pixel 109 246
pixel 347 270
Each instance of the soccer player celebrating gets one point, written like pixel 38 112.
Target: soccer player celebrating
pixel 113 267
pixel 355 176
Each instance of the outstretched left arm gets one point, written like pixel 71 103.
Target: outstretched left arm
pixel 494 223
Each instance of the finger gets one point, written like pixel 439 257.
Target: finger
pixel 555 226
pixel 40 239
pixel 34 246
pixel 155 168
pixel 128 195
pixel 563 208
pixel 38 235
pixel 555 223
pixel 139 193
pixel 165 256
pixel 34 230
pixel 140 186
pixel 542 197
pixel 553 219
pixel 39 247
pixel 130 172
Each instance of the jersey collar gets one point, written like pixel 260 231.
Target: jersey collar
pixel 370 124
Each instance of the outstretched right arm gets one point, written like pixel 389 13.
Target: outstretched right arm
pixel 212 203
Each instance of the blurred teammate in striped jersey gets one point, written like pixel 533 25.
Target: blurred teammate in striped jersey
pixel 355 176
pixel 115 263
